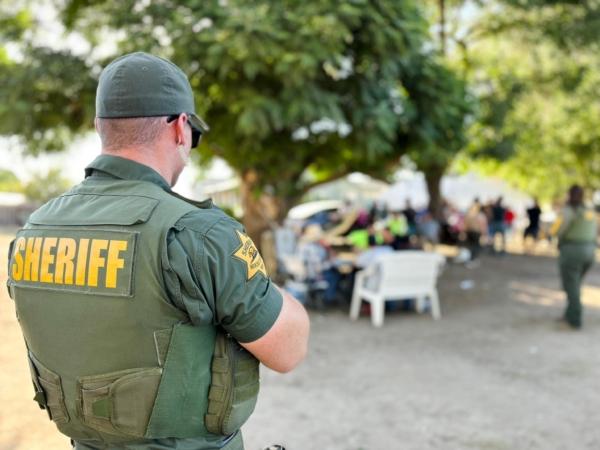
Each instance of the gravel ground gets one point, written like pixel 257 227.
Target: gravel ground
pixel 495 373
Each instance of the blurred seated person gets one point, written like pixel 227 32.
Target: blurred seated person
pixel 366 257
pixel 359 238
pixel 370 256
pixel 320 272
pixel 362 220
pixel 452 225
pixel 378 211
pixel 399 226
pixel 429 229
pixel 375 235
pixel 380 234
pixel 322 218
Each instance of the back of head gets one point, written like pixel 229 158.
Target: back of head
pixel 312 233
pixel 575 196
pixel 135 92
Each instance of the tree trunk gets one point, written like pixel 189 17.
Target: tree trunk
pixel 262 211
pixel 433 177
pixel 256 214
pixel 442 6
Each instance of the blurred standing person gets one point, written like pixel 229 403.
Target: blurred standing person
pixel 498 225
pixel 411 218
pixel 509 218
pixel 475 228
pixel 533 228
pixel 429 229
pixel 576 229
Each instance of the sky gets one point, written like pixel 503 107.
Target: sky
pixel 82 152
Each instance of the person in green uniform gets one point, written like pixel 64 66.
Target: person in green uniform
pixel 146 314
pixel 576 229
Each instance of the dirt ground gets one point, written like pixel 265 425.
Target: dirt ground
pixel 495 373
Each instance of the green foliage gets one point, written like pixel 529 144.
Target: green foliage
pixel 43 187
pixel 298 92
pixel 535 123
pixel 13 22
pixel 569 23
pixel 9 182
pixel 441 107
pixel 46 99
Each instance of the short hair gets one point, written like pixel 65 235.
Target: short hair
pixel 575 195
pixel 119 133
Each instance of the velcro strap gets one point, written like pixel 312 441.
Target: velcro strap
pixel 211 421
pixel 215 408
pixel 216 393
pixel 101 408
pixel 220 364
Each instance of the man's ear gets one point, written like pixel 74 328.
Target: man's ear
pixel 180 129
pixel 96 125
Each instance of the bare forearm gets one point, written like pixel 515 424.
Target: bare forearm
pixel 285 345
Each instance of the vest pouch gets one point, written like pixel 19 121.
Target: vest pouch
pixel 234 386
pixel 48 390
pixel 119 403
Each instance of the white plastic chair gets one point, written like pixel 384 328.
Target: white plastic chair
pixel 395 276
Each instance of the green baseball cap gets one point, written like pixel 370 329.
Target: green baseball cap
pixel 142 85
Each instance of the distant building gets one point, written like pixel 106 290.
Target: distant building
pixel 224 193
pixel 14 209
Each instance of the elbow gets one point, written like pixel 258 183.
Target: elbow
pixel 300 356
pixel 286 365
pixel 293 355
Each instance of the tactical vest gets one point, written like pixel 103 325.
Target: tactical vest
pixel 583 228
pixel 111 358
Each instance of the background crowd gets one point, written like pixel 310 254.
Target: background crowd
pixel 320 255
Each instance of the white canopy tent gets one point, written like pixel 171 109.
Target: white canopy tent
pixel 460 190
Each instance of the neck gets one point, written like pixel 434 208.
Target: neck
pixel 148 158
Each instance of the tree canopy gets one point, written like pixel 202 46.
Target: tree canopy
pixel 296 92
pixel 537 94
pixel 9 182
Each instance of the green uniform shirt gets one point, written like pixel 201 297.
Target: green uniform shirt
pixel 577 225
pixel 213 274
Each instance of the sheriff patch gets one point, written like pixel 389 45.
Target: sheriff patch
pixel 88 262
pixel 248 253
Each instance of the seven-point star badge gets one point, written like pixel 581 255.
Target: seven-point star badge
pixel 249 254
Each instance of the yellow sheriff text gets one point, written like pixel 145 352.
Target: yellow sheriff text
pixel 68 261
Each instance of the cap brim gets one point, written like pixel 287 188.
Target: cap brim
pixel 199 124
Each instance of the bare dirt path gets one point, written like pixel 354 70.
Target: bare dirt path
pixel 494 374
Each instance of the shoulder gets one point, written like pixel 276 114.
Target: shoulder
pixel 208 221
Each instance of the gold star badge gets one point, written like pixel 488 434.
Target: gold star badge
pixel 248 253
